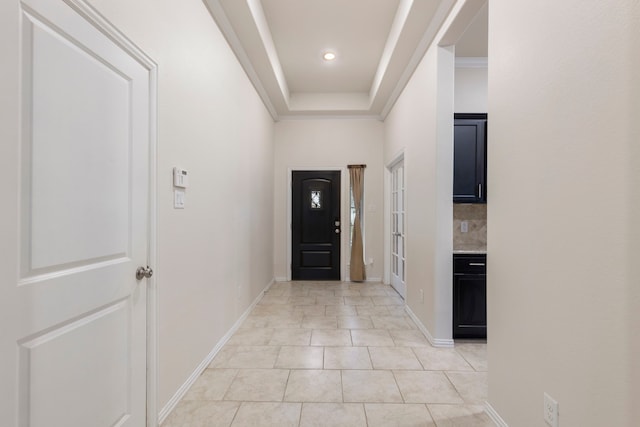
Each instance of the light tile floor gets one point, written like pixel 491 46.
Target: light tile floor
pixel 336 354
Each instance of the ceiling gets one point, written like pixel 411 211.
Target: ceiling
pixel 473 43
pixel 377 43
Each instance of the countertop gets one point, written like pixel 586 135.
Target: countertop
pixel 470 251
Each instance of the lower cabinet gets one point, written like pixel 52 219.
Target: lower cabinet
pixel 469 296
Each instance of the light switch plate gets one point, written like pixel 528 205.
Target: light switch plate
pixel 178 199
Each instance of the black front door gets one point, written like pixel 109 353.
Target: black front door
pixel 315 246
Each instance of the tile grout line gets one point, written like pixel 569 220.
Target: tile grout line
pixel 464 402
pixel 419 361
pixel 393 373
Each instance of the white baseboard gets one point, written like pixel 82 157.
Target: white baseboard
pixel 371 279
pixel 436 342
pixel 171 404
pixel 257 300
pixel 495 417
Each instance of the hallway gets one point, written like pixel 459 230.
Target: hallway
pixel 336 354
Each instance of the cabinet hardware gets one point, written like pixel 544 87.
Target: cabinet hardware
pixel 478 264
pixel 479 191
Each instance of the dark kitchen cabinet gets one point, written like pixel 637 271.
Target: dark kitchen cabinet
pixel 469 296
pixel 470 158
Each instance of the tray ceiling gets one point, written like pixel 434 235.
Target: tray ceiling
pixel 377 43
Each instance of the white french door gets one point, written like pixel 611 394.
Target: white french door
pixel 75 347
pixel 398 228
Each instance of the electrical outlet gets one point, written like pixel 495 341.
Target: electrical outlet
pixel 421 295
pixel 464 226
pixel 550 411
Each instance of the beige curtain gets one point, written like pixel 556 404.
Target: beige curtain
pixel 357 271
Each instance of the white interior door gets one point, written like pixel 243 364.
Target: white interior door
pixel 78 327
pixel 398 228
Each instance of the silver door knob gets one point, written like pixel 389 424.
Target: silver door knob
pixel 337 230
pixel 143 272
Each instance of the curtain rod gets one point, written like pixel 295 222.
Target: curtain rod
pixel 356 166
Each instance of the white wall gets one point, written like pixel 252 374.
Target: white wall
pixel 563 291
pixel 331 143
pixel 421 125
pixel 214 257
pixel 470 90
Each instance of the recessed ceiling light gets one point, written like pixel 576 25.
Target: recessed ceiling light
pixel 329 56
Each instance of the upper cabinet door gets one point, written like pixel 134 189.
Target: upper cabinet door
pixel 470 158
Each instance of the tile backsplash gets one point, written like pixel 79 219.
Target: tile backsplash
pixel 476 236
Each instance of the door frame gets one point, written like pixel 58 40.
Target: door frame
pixel 397 158
pixel 344 215
pixel 92 16
pixel 389 174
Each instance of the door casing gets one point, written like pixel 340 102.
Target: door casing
pixel 399 283
pixel 397 158
pixel 344 215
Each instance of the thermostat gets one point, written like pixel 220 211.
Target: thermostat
pixel 180 178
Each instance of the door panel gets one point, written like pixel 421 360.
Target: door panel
pixel 80 328
pixel 398 228
pixel 315 245
pixel 70 197
pixel 316 258
pixel 84 371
